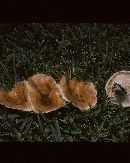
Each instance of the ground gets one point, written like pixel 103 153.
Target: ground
pixel 84 51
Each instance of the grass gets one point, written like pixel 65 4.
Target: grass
pixel 86 52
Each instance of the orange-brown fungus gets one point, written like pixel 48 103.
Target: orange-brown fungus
pixel 39 94
pixel 81 94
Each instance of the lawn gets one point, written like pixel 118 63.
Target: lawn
pixel 84 51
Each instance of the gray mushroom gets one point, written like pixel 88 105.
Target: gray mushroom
pixel 118 88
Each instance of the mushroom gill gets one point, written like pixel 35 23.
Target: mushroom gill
pixel 39 94
pixel 118 88
pixel 82 94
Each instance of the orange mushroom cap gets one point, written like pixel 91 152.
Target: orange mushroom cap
pixel 82 94
pixel 39 94
pixel 16 98
pixel 45 94
pixel 122 79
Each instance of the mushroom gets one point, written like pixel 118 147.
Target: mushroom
pixel 16 98
pixel 45 95
pixel 118 88
pixel 82 94
pixel 39 94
